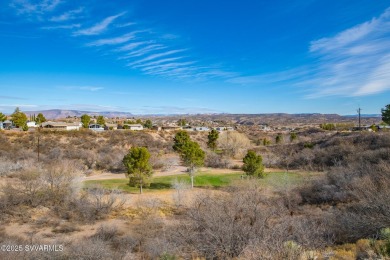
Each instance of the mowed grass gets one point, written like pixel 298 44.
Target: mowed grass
pixel 201 180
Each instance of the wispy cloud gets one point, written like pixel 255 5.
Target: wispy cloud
pixel 155 56
pixel 10 108
pixel 149 51
pixel 12 97
pixel 125 24
pixel 355 62
pixel 167 66
pixel 158 62
pixel 270 78
pixel 93 89
pixel 133 45
pixel 99 27
pixel 69 15
pixel 143 51
pixel 67 26
pixel 113 41
pixel 85 88
pixel 37 7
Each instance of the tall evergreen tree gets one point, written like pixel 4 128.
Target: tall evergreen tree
pixel 19 118
pixel 253 164
pixel 40 118
pixel 212 139
pixel 386 114
pixel 181 138
pixel 138 166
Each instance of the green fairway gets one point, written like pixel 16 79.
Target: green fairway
pixel 201 180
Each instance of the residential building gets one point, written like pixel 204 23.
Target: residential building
pixel 96 127
pixel 61 126
pixel 133 127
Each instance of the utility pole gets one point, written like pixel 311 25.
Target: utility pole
pixel 359 110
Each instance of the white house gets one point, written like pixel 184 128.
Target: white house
pixel 220 128
pixel 224 128
pixel 31 124
pixel 133 127
pixel 61 125
pixel 96 127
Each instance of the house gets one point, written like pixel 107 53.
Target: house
pixel 224 128
pixel 8 124
pixel 61 126
pixel 96 127
pixel 362 128
pixel 31 124
pixel 265 128
pixel 201 128
pixel 220 128
pixel 171 128
pixel 188 128
pixel 110 126
pixel 156 128
pixel 133 127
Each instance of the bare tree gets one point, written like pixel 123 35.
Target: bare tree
pixel 234 144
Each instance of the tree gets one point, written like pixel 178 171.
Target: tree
pixel 212 139
pixel 386 114
pixel 193 157
pixel 2 117
pixel 293 136
pixel 278 139
pixel 148 124
pixel 266 141
pixel 100 120
pixel 253 164
pixel 180 140
pixel 19 118
pixel 85 119
pixel 233 143
pixel 138 166
pixel 182 122
pixel 40 118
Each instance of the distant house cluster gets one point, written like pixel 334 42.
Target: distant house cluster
pixel 75 126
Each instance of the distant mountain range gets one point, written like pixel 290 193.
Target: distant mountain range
pixel 59 113
pixel 365 115
pixel 244 119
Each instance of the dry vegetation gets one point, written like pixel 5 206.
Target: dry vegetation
pixel 341 213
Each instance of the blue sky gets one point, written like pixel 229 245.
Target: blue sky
pixel 172 56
